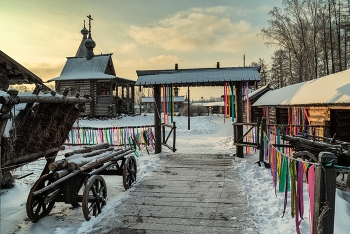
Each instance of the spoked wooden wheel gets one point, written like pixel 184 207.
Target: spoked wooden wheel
pixel 129 172
pixel 36 206
pixel 94 196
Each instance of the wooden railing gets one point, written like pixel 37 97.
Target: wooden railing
pixel 240 142
pixel 172 130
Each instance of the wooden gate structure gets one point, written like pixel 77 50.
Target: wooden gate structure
pixel 195 77
pixel 172 130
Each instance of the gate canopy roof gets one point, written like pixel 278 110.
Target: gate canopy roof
pixel 198 76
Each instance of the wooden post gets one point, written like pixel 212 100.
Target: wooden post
pixel 111 92
pixel 157 120
pixel 127 98
pixel 117 96
pixel 5 114
pixel 93 97
pixel 261 143
pixel 325 186
pixel 188 109
pixel 133 99
pixel 239 116
pixel 174 136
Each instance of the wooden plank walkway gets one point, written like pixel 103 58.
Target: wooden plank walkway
pixel 188 194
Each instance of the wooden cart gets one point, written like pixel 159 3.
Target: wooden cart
pixel 308 147
pixel 67 177
pixel 38 130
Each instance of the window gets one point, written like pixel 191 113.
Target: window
pixel 103 89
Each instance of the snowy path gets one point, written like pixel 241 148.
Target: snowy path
pixel 186 194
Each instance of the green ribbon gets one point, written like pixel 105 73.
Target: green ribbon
pixel 283 175
pixel 294 187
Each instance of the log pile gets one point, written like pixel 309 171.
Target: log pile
pixel 86 159
pixel 41 126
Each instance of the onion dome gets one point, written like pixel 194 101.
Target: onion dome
pixel 89 43
pixel 84 31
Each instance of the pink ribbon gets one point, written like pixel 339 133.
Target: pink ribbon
pixel 311 181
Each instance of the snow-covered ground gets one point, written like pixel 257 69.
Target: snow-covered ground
pixel 208 134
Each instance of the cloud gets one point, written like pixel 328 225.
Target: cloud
pixel 46 68
pixel 127 68
pixel 128 48
pixel 197 28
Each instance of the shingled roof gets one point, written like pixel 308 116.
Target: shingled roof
pixel 80 68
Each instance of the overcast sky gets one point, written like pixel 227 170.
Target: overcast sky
pixel 141 34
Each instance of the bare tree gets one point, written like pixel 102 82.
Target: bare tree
pixel 313 37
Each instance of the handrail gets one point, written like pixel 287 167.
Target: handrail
pixel 240 142
pixel 173 129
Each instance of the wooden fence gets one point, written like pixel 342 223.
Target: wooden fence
pixel 137 136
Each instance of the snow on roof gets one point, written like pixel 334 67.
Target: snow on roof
pixel 150 99
pixel 80 68
pixel 197 75
pixel 333 89
pixel 221 103
pixel 258 91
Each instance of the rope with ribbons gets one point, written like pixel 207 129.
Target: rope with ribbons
pixel 140 137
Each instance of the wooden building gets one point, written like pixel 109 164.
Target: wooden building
pixel 323 102
pixel 147 103
pixel 95 76
pixel 252 112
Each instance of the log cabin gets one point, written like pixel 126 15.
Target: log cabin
pixel 94 75
pixel 252 112
pixel 323 102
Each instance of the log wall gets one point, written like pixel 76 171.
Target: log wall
pixel 255 112
pixel 272 115
pixel 318 115
pixel 103 94
pixel 77 86
pixel 101 110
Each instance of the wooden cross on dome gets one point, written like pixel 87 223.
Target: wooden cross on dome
pixel 90 18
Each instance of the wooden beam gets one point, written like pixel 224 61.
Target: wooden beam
pixel 188 109
pixel 261 143
pixel 239 117
pixel 325 189
pixel 157 120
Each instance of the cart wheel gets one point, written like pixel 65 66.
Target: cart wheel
pixel 94 196
pixel 36 207
pixel 129 172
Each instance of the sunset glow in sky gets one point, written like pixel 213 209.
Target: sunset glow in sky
pixel 141 34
